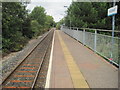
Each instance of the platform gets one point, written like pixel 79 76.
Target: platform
pixel 76 66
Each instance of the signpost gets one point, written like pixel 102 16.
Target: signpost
pixel 112 12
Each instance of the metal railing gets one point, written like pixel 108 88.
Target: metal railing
pixel 97 42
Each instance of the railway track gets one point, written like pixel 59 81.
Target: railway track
pixel 33 68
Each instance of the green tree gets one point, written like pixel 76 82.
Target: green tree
pixel 44 21
pixel 26 28
pixel 49 21
pixel 90 15
pixel 61 22
pixel 18 26
pixel 39 15
pixel 13 15
pixel 35 28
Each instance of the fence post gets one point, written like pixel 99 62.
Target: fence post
pixel 77 29
pixel 77 35
pixel 83 36
pixel 95 40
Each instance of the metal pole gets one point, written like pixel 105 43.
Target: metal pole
pixel 77 35
pixel 83 36
pixel 70 20
pixel 95 41
pixel 113 28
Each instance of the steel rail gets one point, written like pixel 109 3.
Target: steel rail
pixel 40 66
pixel 24 58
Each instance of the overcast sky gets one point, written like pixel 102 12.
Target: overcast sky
pixel 54 8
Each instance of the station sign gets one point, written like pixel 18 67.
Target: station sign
pixel 112 11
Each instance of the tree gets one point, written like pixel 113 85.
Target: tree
pixel 39 15
pixel 27 31
pixel 90 15
pixel 18 26
pixel 49 21
pixel 61 22
pixel 44 21
pixel 35 28
pixel 13 16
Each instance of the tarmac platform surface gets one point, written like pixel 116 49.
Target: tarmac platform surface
pixel 76 66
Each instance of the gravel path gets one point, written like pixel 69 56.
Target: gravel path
pixel 10 62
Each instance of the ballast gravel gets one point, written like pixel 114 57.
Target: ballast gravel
pixel 8 64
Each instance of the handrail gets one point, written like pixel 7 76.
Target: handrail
pixel 98 42
pixel 117 31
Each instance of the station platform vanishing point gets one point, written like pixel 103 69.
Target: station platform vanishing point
pixel 75 66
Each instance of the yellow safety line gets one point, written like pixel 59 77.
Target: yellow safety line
pixel 76 75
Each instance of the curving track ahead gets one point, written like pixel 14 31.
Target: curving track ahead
pixel 26 74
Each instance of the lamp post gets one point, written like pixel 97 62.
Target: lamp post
pixel 70 17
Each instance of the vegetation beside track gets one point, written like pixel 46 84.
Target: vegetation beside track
pixel 19 26
pixel 90 15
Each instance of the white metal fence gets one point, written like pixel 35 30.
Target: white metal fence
pixel 97 42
